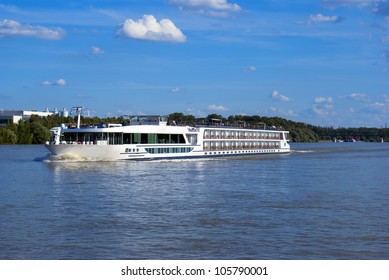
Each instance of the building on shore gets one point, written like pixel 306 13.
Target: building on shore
pixel 14 116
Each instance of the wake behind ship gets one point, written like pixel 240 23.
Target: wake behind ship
pixel 150 137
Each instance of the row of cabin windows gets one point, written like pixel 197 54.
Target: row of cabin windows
pixel 168 150
pixel 125 138
pixel 151 138
pixel 228 134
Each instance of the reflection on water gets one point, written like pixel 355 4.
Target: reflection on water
pixel 322 201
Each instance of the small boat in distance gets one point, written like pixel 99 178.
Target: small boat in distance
pixel 150 137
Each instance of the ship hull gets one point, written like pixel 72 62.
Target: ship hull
pixel 118 152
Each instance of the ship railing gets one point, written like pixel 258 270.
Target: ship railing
pixel 230 137
pixel 267 128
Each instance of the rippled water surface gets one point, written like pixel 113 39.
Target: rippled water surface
pixel 322 201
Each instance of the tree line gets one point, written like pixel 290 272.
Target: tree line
pixel 36 130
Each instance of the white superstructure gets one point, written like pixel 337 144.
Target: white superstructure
pixel 149 137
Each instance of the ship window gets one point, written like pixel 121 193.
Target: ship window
pixel 135 137
pixel 177 138
pixel 168 150
pixel 144 138
pixel 152 138
pixel 170 139
pixel 127 138
pixel 163 138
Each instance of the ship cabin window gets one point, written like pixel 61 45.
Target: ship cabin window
pixel 123 138
pixel 169 150
pixel 152 138
pixel 74 137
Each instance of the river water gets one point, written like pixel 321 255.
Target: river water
pixel 321 201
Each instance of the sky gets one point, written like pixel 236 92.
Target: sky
pixel 322 62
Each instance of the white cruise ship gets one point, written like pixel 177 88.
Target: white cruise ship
pixel 150 137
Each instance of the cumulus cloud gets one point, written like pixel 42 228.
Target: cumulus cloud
pixel 321 112
pixel 214 107
pixel 358 96
pixel 377 106
pixel 323 106
pixel 175 89
pixel 59 82
pixel 250 69
pixel 148 28
pixel 211 4
pixel 279 97
pixel 287 113
pixel 377 109
pixel 195 112
pixel 327 100
pixel 321 18
pixel 96 50
pixel 371 114
pixel 45 83
pixel 361 3
pixel 379 7
pixel 16 29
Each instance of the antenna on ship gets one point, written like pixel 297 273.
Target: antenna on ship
pixel 78 110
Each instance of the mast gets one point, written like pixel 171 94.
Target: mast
pixel 78 110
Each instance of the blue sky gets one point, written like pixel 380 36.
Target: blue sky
pixel 323 62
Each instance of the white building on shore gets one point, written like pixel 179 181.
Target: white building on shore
pixel 15 116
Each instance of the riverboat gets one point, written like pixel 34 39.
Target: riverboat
pixel 151 137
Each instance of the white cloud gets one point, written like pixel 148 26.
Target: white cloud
pixel 96 51
pixel 361 3
pixel 14 28
pixel 148 28
pixel 175 89
pixel 220 108
pixel 357 96
pixel 327 100
pixel 59 82
pixel 287 113
pixel 323 106
pixel 379 7
pixel 250 69
pixel 377 108
pixel 213 13
pixel 377 105
pixel 320 111
pixel 321 18
pixel 45 83
pixel 211 4
pixel 196 112
pixel 277 96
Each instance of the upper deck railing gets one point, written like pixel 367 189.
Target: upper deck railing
pixel 217 123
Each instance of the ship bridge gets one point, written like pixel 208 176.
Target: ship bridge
pixel 148 120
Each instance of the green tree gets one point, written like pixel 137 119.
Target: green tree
pixel 215 116
pixel 7 136
pixel 181 119
pixel 40 134
pixel 177 118
pixel 24 133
